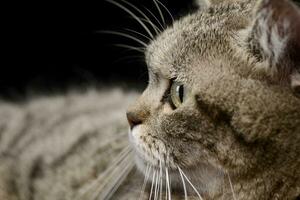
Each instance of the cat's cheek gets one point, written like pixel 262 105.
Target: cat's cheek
pixel 167 109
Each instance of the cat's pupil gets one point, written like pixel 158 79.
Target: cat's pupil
pixel 180 93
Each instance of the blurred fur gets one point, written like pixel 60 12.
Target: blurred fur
pixel 52 147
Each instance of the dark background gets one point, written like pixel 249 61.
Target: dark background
pixel 52 46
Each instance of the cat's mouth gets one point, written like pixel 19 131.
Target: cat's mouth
pixel 151 151
pixel 159 164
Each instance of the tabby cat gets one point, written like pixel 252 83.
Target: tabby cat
pixel 221 113
pixel 219 119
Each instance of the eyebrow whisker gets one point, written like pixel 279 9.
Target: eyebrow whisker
pixel 156 19
pixel 166 9
pixel 126 36
pixel 133 15
pixel 142 50
pixel 147 19
pixel 159 11
pixel 138 33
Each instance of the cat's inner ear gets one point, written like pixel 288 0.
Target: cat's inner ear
pixel 274 38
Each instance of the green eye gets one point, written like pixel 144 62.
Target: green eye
pixel 177 93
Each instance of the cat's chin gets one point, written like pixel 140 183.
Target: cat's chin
pixel 203 177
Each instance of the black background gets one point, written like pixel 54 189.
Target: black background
pixel 52 46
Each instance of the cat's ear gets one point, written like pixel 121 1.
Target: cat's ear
pixel 274 38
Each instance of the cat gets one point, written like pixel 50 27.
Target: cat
pixel 221 113
pixel 219 119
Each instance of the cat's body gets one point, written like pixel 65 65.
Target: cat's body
pixel 54 147
pixel 220 114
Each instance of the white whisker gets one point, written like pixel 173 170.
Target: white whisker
pixel 156 186
pixel 183 183
pixel 166 10
pixel 148 169
pixel 152 183
pixel 194 188
pixel 159 11
pixel 151 13
pixel 231 186
pixel 143 14
pixel 123 154
pixel 116 182
pixel 160 178
pixel 133 31
pixel 168 184
pixel 133 15
pixel 109 183
pixel 126 36
pixel 141 50
pixel 156 29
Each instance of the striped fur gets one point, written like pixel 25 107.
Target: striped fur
pixel 52 147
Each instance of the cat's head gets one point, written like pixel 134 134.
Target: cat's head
pixel 222 92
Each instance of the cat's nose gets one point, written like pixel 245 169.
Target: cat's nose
pixel 133 119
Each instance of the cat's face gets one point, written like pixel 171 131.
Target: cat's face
pixel 217 99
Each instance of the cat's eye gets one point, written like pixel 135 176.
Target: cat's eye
pixel 177 93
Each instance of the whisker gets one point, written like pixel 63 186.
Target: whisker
pixel 159 11
pixel 156 29
pixel 160 178
pixel 166 187
pixel 156 186
pixel 194 188
pixel 125 35
pixel 151 190
pixel 156 19
pixel 183 183
pixel 166 9
pixel 115 162
pixel 145 180
pixel 125 153
pixel 231 186
pixel 133 31
pixel 116 182
pixel 168 184
pixel 109 185
pixel 110 177
pixel 168 177
pixel 129 47
pixel 133 15
pixel 143 14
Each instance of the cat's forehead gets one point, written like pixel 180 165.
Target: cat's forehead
pixel 202 35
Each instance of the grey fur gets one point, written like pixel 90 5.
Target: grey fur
pixel 240 120
pixel 52 147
